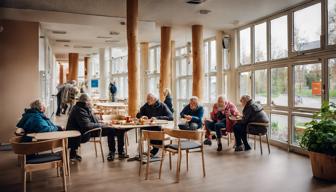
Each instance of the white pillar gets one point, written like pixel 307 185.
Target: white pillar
pixel 89 75
pixel 219 62
pixel 103 75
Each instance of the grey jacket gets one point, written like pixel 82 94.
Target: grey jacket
pixel 254 112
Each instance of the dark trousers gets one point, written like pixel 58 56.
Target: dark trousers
pixel 155 150
pixel 111 134
pixel 215 126
pixel 240 134
pixel 74 142
pixel 59 104
pixel 113 97
pixel 188 126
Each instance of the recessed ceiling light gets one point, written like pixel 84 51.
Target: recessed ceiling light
pixel 196 2
pixel 122 23
pixel 114 33
pixel 82 46
pixel 59 32
pixel 204 11
pixel 103 37
pixel 112 41
pixel 62 40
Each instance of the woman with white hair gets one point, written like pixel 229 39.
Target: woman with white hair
pixel 35 121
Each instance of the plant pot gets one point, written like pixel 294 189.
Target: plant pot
pixel 323 166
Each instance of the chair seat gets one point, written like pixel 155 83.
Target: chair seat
pixel 43 158
pixel 185 145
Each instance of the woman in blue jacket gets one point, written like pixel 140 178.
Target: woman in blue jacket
pixel 35 121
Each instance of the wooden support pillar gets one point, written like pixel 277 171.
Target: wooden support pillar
pixel 61 74
pixel 144 48
pixel 86 67
pixel 133 71
pixel 165 60
pixel 73 66
pixel 197 54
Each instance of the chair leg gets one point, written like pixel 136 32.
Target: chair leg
pixel 269 150
pixel 58 171
pixel 136 135
pixel 141 157
pixel 178 166
pixel 147 164
pixel 229 138
pixel 170 161
pixel 30 176
pixel 126 143
pixel 64 179
pixel 260 144
pixel 24 180
pixel 95 146
pixel 162 158
pixel 101 150
pixel 203 164
pixel 187 159
pixel 254 142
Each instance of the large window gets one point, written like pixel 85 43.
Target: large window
pixel 119 74
pixel 245 46
pixel 332 80
pixel 308 85
pixel 153 72
pixel 279 38
pixel 307 28
pixel 245 83
pixel 299 127
pixel 260 80
pixel 331 22
pixel 260 42
pixel 279 86
pixel 210 92
pixel 279 127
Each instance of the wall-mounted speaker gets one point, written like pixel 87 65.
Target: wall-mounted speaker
pixel 226 42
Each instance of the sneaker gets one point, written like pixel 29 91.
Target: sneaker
pixel 239 148
pixel 110 157
pixel 247 148
pixel 207 142
pixel 122 156
pixel 219 148
pixel 74 156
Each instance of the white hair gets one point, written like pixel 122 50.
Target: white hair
pixel 152 96
pixel 84 97
pixel 195 98
pixel 245 98
pixel 37 104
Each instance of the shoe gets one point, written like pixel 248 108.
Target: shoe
pixel 239 148
pixel 213 137
pixel 207 142
pixel 110 157
pixel 74 156
pixel 122 156
pixel 219 148
pixel 247 148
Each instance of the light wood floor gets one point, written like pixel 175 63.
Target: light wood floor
pixel 226 171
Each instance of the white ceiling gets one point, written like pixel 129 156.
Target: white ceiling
pixel 84 20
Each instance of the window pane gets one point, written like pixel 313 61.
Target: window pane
pixel 331 22
pixel 225 84
pixel 158 52
pixel 189 67
pixel 189 89
pixel 151 59
pixel 245 83
pixel 213 55
pixel 307 28
pixel 183 67
pixel 245 46
pixel 260 44
pixel 279 38
pixel 299 127
pixel 332 80
pixel 206 56
pixel 213 92
pixel 279 127
pixel 308 85
pixel 260 79
pixel 226 64
pixel 279 86
pixel 182 89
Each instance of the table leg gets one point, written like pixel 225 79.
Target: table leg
pixel 67 158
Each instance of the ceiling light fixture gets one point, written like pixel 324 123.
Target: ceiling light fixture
pixel 196 2
pixel 114 33
pixel 122 23
pixel 103 37
pixel 59 32
pixel 204 11
pixel 112 41
pixel 62 40
pixel 82 46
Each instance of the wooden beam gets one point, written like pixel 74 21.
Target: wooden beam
pixel 133 72
pixel 61 74
pixel 197 54
pixel 165 60
pixel 73 66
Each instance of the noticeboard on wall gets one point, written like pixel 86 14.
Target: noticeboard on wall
pixel 94 83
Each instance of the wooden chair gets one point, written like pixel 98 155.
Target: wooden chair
pixel 258 132
pixel 189 141
pixel 148 136
pixel 96 137
pixel 39 162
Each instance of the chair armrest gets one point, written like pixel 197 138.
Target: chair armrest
pixel 99 129
pixel 259 124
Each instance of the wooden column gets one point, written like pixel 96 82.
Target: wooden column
pixel 133 72
pixel 61 74
pixel 86 67
pixel 144 48
pixel 73 66
pixel 197 54
pixel 165 60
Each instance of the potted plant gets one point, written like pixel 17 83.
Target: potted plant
pixel 319 138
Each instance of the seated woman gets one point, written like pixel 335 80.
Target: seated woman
pixel 220 119
pixel 35 121
pixel 252 112
pixel 193 114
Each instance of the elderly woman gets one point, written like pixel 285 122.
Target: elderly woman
pixel 252 112
pixel 193 114
pixel 168 99
pixel 34 120
pixel 220 119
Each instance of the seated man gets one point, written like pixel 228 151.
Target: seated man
pixel 35 121
pixel 193 114
pixel 154 109
pixel 82 119
pixel 252 112
pixel 220 119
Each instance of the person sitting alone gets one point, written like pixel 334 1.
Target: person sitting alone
pixel 252 112
pixel 219 120
pixel 193 114
pixel 35 121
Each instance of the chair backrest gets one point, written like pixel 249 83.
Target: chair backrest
pixel 185 134
pixel 153 135
pixel 26 148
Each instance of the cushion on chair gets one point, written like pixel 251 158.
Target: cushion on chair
pixel 185 145
pixel 43 158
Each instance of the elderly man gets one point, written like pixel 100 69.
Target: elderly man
pixel 154 109
pixel 193 114
pixel 220 119
pixel 252 112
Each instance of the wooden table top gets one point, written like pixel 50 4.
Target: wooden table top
pixel 111 104
pixel 161 123
pixel 55 135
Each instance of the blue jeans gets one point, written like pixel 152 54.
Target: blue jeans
pixel 215 126
pixel 240 134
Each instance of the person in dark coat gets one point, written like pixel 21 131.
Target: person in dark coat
pixel 35 121
pixel 60 89
pixel 193 114
pixel 113 90
pixel 168 100
pixel 154 109
pixel 252 112
pixel 82 119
